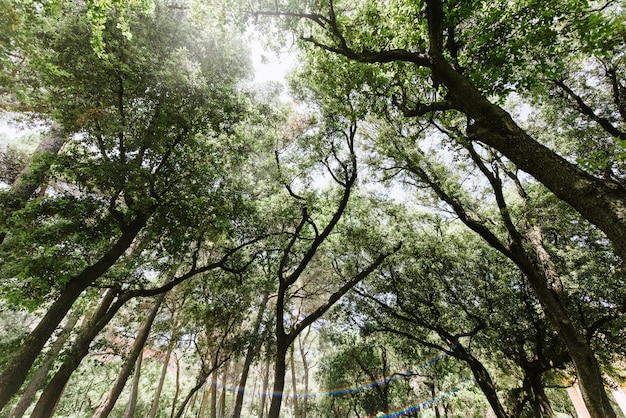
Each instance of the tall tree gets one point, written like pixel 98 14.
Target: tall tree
pixel 299 260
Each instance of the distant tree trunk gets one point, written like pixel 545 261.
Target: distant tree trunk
pixel 205 400
pixel 213 408
pixel 306 367
pixel 159 388
pixel 266 378
pixel 134 392
pixel 251 353
pixel 52 393
pixel 40 376
pixel 137 348
pixel 17 368
pixel 177 390
pixel 294 383
pixel 222 399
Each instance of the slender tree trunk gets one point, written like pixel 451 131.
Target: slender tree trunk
pixel 52 393
pixel 266 379
pixel 177 390
pixel 222 400
pixel 38 379
pixel 305 366
pixel 159 388
pixel 214 394
pixel 17 368
pixel 206 394
pixel 137 348
pixel 134 392
pixel 294 383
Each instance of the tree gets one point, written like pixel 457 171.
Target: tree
pixel 145 127
pixel 298 261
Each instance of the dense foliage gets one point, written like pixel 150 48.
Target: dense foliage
pixel 434 226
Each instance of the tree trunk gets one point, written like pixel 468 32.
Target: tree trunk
pixel 38 379
pixel 541 276
pixel 52 393
pixel 17 368
pixel 108 403
pixel 159 388
pixel 205 400
pixel 134 392
pixel 306 367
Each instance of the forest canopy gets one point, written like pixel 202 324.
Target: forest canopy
pixel 428 220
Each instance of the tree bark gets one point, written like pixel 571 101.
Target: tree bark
pixel 280 368
pixel 109 401
pixel 40 376
pixel 17 369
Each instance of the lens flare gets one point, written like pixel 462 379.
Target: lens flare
pixel 350 389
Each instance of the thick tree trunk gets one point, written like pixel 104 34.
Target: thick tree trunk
pixel 134 392
pixel 52 393
pixel 157 393
pixel 543 279
pixel 40 376
pixel 109 401
pixel 17 369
